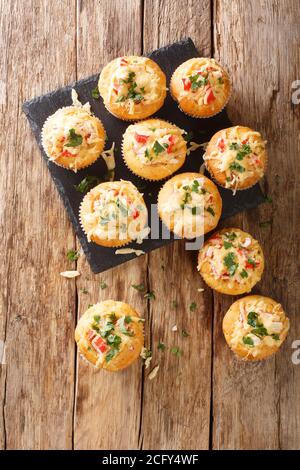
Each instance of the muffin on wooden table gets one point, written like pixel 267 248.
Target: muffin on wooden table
pixel 113 214
pixel 236 157
pixel 132 87
pixel 73 138
pixel 110 335
pixel 231 261
pixel 154 149
pixel 255 327
pixel 201 87
pixel 190 205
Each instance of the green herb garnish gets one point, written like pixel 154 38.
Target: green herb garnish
pixel 157 148
pixel 174 303
pixel 275 336
pixel 176 351
pixel 265 223
pixel 252 319
pixel 139 287
pixel 211 211
pixel 230 263
pixel 103 285
pixel 244 274
pixel 150 295
pixel 161 346
pixel 193 306
pixel 260 331
pixel 122 322
pixel 87 183
pixel 188 136
pixel 84 291
pixel 247 340
pixel 95 93
pixel 227 245
pixel 73 255
pixel 73 139
pixel 237 167
pixel 185 334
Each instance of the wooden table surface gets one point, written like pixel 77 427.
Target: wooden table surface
pixel 206 398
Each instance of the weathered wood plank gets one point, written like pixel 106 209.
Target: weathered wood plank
pixel 257 405
pixel 176 407
pixel 108 405
pixel 37 306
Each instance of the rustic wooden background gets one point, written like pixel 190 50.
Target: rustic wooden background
pixel 206 398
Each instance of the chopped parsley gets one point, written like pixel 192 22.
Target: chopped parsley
pixel 227 245
pixel 87 183
pixel 265 223
pixel 157 148
pixel 230 235
pixel 161 346
pixel 275 336
pixel 252 319
pixel 174 303
pixel 260 331
pixel 103 285
pixel 197 81
pixel 188 136
pixel 230 263
pixel 211 211
pixel 237 167
pixel 193 306
pixel 73 255
pixel 150 295
pixel 244 274
pixel 73 139
pixel 176 351
pixel 268 199
pixel 247 340
pixel 139 287
pixel 185 334
pixel 122 322
pixel 95 93
pixel 97 318
pixel 84 291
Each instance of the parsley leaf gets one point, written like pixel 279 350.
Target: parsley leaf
pixel 95 93
pixel 193 306
pixel 227 245
pixel 161 346
pixel 103 285
pixel 73 255
pixel 87 183
pixel 247 340
pixel 237 167
pixel 73 139
pixel 252 319
pixel 150 295
pixel 266 223
pixel 185 334
pixel 260 331
pixel 230 263
pixel 139 287
pixel 188 136
pixel 157 148
pixel 176 351
pixel 244 273
pixel 122 326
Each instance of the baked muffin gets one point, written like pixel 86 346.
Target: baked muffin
pixel 113 214
pixel 201 87
pixel 190 205
pixel 109 335
pixel 231 261
pixel 236 157
pixel 154 149
pixel 132 87
pixel 255 327
pixel 73 138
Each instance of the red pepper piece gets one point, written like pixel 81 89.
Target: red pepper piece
pixel 66 153
pixel 186 84
pixel 210 97
pixel 141 139
pixel 99 344
pixel 135 214
pixel 171 139
pixel 124 61
pixel 221 145
pixel 250 265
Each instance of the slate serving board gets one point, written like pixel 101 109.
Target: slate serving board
pixel 37 110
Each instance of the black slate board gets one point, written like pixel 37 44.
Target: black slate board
pixel 38 109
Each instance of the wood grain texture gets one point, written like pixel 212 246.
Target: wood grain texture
pixel 257 405
pixel 37 306
pixel 108 405
pixel 177 401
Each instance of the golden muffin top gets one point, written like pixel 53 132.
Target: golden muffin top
pixel 192 204
pixel 110 334
pixel 114 210
pixel 236 157
pixel 255 326
pixel 72 135
pixel 155 142
pixel 232 256
pixel 202 80
pixel 132 82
